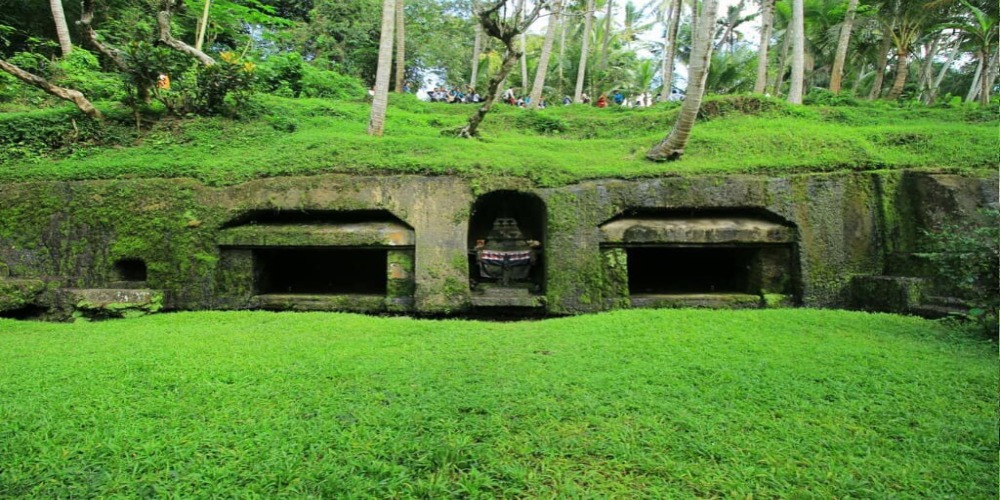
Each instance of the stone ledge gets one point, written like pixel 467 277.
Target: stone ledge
pixel 699 300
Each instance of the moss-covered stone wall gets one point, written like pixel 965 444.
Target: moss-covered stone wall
pixel 70 234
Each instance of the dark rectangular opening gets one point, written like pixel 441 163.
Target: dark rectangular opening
pixel 690 270
pixel 320 271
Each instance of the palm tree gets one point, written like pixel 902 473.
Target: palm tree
pixel 845 38
pixel 62 30
pixel 798 53
pixel 672 147
pixel 400 47
pixel 543 61
pixel 909 19
pixel 588 19
pixel 729 23
pixel 981 29
pixel 380 101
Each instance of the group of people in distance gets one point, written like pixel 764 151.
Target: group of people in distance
pixel 468 94
pixel 455 95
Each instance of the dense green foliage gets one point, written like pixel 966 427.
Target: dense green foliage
pixel 551 147
pixel 657 404
pixel 968 255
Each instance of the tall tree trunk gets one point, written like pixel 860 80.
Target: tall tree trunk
pixel 767 20
pixel 883 61
pixel 202 26
pixel 927 68
pixel 524 50
pixel 380 101
pixel 543 60
pixel 62 29
pixel 71 95
pixel 989 75
pixel 902 56
pixel 603 64
pixel 588 19
pixel 974 88
pixel 562 56
pixel 842 43
pixel 476 49
pixel 670 49
pixel 932 93
pixel 400 47
pixel 779 77
pixel 672 147
pixel 798 54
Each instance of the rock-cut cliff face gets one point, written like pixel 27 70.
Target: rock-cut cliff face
pixel 415 244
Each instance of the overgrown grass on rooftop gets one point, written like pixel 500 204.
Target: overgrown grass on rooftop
pixel 552 147
pixel 655 404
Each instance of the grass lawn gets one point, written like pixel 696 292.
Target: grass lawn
pixel 665 404
pixel 553 147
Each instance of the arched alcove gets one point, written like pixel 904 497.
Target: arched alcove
pixel 506 248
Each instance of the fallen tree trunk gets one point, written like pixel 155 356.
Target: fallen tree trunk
pixel 74 96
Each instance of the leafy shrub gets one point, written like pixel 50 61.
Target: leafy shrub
pixel 288 75
pixel 81 70
pixel 229 77
pixel 37 134
pixel 282 123
pixel 824 97
pixel 331 85
pixel 541 123
pixel 717 106
pixel 967 256
pixel 281 74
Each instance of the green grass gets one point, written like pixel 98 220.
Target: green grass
pixel 329 136
pixel 658 404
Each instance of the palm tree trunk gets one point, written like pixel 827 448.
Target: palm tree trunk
pixel 476 49
pixel 543 60
pixel 932 92
pixel 883 61
pixel 400 47
pixel 974 88
pixel 562 55
pixel 989 75
pixel 603 64
pixel 71 95
pixel 376 124
pixel 902 55
pixel 837 73
pixel 927 68
pixel 779 77
pixel 670 49
pixel 672 147
pixel 767 20
pixel 588 19
pixel 524 50
pixel 62 29
pixel 798 53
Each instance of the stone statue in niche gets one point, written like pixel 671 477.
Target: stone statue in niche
pixel 506 255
